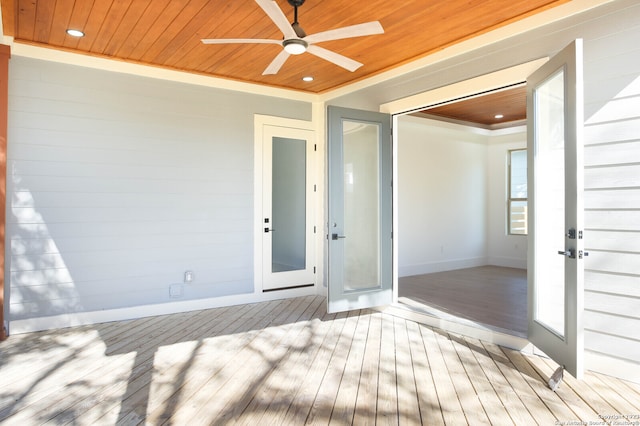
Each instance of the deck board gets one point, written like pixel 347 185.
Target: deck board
pixel 288 362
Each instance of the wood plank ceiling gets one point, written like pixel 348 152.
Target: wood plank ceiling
pixel 167 33
pixel 482 111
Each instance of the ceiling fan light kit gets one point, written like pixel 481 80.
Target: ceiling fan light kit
pixel 295 41
pixel 295 46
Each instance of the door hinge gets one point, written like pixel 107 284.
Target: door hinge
pixel 314 269
pixel 315 147
pixel 315 188
pixel 314 229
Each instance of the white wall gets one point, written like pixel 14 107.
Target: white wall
pixel 442 196
pixel 119 184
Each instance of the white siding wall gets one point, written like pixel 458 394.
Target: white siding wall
pixel 118 184
pixel 612 196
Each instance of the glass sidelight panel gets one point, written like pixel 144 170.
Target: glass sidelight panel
pixel 289 159
pixel 361 205
pixel 549 104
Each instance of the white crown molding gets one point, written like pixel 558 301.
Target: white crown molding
pixel 54 55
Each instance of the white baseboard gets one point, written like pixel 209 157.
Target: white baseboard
pixel 122 314
pixel 610 366
pixel 441 266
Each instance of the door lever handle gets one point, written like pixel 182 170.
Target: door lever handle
pixel 267 230
pixel 571 254
pixel 336 236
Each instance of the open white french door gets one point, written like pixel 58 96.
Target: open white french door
pixel 360 209
pixel 556 246
pixel 287 228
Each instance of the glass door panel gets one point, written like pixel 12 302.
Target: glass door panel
pixel 550 203
pixel 288 209
pixel 361 206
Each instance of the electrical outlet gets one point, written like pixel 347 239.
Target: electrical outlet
pixel 188 276
pixel 175 290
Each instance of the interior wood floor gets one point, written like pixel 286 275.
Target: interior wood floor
pixel 288 362
pixel 490 295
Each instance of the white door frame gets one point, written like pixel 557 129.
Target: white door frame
pixel 260 121
pixel 467 88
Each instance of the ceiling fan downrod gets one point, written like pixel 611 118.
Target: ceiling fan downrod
pixel 296 26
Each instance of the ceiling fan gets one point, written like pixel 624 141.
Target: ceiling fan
pixel 296 41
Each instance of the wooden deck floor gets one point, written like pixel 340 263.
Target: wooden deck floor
pixel 288 362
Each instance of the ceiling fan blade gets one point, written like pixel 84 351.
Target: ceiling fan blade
pixel 336 58
pixel 277 63
pixel 239 40
pixel 278 17
pixel 358 30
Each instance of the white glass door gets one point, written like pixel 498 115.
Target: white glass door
pixel 287 203
pixel 360 210
pixel 556 248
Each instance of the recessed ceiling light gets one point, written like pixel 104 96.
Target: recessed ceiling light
pixel 498 116
pixel 75 33
pixel 307 78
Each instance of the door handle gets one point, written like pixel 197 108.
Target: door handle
pixel 267 230
pixel 336 236
pixel 570 253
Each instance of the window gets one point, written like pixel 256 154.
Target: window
pixel 517 192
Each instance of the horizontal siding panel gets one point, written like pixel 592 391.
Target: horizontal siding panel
pixel 616 109
pixel 624 198
pixel 124 185
pixel 205 267
pixel 612 177
pixel 45 215
pixel 123 256
pixel 619 131
pixel 612 240
pixel 625 83
pixel 185 172
pixel 134 143
pixel 120 285
pixel 617 347
pixel 618 220
pixel 214 157
pixel 613 304
pixel 604 282
pixel 627 328
pixel 612 154
pixel 621 263
pixel 139 228
pixel 114 128
pixel 32 199
pixel 49 245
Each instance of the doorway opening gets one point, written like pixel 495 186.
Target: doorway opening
pixel 459 258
